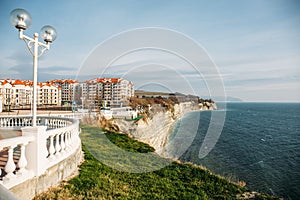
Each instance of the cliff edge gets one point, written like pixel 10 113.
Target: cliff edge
pixel 157 122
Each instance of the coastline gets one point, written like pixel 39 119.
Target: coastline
pixel 175 181
pixel 148 139
pixel 156 128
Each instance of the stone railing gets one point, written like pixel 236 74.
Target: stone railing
pixel 17 122
pixel 38 148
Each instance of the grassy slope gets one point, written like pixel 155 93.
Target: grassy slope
pixel 176 181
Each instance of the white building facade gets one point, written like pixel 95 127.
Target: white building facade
pixel 94 93
pixel 18 94
pixel 67 90
pixel 111 92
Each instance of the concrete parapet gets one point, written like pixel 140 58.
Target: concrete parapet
pixel 52 177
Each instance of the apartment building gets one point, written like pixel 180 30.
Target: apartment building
pixel 113 92
pixel 67 90
pixel 18 93
pixel 49 94
pixel 6 92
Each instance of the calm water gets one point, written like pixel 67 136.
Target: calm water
pixel 259 144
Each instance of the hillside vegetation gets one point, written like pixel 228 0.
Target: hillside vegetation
pixel 176 181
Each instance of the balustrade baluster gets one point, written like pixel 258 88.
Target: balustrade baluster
pixel 68 140
pixel 72 135
pixel 51 147
pixel 10 165
pixel 22 160
pixel 57 145
pixel 62 142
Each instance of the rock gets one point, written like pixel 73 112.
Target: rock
pixel 155 131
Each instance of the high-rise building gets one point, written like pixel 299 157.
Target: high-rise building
pixel 112 92
pixel 67 90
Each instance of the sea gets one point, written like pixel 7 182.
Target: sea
pixel 259 144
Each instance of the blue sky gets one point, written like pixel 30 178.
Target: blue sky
pixel 255 44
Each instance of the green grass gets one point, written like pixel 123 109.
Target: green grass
pixel 124 142
pixel 175 181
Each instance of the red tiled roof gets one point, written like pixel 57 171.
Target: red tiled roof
pixel 54 82
pixel 18 82
pixel 4 82
pixel 70 81
pixel 107 80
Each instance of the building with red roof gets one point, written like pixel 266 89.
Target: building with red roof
pixel 113 92
pixel 18 93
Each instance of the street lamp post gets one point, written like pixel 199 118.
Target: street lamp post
pixel 21 19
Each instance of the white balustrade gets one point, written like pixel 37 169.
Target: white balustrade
pixel 12 173
pixel 62 142
pixel 22 121
pixel 15 121
pixel 68 143
pixel 57 145
pixel 51 147
pixel 39 148
pixel 10 165
pixel 22 160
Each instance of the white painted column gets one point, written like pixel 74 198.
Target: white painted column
pixel 36 151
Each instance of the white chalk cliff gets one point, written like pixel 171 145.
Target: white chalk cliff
pixel 156 129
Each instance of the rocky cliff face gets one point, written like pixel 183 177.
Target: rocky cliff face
pixel 155 130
